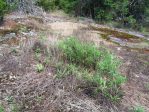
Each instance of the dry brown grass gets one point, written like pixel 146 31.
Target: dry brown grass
pixel 43 92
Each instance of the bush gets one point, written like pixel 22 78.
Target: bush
pixel 47 5
pixel 13 5
pixel 2 9
pixel 100 65
pixel 82 54
pixel 68 6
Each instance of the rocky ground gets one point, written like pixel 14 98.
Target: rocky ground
pixel 23 89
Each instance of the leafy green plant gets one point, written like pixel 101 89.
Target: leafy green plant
pixel 10 99
pixel 14 107
pixel 38 50
pixel 39 99
pixel 82 54
pixel 107 86
pixel 98 67
pixel 47 60
pixel 23 29
pixel 37 53
pixel 39 67
pixel 37 56
pixel 138 109
pixel 63 70
pixel 1 108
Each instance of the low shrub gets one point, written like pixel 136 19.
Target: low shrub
pixel 100 66
pixel 66 69
pixel 86 55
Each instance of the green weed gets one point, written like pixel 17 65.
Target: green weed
pixel 63 70
pixel 23 29
pixel 39 67
pixel 1 108
pixel 82 54
pixel 37 56
pixel 98 67
pixel 37 50
pixel 14 50
pixel 10 99
pixel 14 107
pixel 39 99
pixel 139 109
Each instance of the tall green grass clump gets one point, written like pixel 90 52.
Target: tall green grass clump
pixel 79 53
pixel 102 66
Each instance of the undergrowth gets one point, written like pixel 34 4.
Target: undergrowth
pixel 1 108
pixel 138 109
pixel 79 53
pixel 99 68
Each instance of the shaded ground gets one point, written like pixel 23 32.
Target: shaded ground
pixel 23 89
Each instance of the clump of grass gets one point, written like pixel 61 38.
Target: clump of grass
pixel 1 108
pixel 66 69
pixel 15 108
pixel 101 67
pixel 82 54
pixel 23 29
pixel 39 67
pixel 138 109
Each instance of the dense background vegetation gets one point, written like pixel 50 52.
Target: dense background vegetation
pixel 2 9
pixel 130 13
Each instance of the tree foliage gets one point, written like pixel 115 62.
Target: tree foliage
pixel 2 9
pixel 47 4
pixel 127 12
